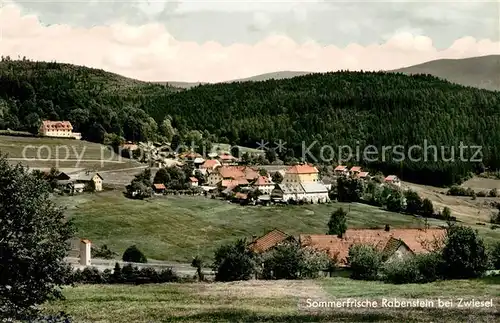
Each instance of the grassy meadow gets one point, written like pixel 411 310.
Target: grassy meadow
pixel 176 228
pixel 273 301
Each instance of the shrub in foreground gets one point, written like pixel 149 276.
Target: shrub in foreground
pixel 365 262
pixel 464 253
pixel 127 275
pixel 234 262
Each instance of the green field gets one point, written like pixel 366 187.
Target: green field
pixel 176 228
pixel 273 301
pixel 40 152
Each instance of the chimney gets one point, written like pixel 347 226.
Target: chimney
pixel 387 228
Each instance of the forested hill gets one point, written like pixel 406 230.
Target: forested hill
pixel 95 101
pixel 342 108
pixel 349 108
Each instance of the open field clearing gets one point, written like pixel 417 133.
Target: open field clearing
pixel 176 228
pixel 274 301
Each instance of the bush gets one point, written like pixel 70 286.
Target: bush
pixel 457 190
pixel 133 254
pixel 495 256
pixel 482 194
pixel 493 192
pixel 402 271
pixel 338 223
pixel 127 275
pixel 234 262
pixel 290 261
pixel 430 266
pixel 364 261
pixel 464 253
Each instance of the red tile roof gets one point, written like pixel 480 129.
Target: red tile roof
pixel 302 169
pixel 263 180
pixel 159 186
pixel 355 169
pixel 340 168
pixel 363 174
pixel 241 196
pixel 193 179
pixel 268 241
pixel 57 125
pixel 391 178
pixel 418 241
pixel 211 163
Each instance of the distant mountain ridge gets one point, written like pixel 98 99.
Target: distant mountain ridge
pixel 481 72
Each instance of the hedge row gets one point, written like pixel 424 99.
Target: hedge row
pixel 127 275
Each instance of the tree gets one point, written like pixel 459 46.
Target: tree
pixel 413 202
pixel 234 262
pixel 198 264
pixel 161 176
pixel 277 177
pixel 495 256
pixel 349 189
pixel 338 223
pixel 262 172
pixel 446 214
pixel 364 261
pixel 464 253
pixel 133 254
pixel 395 201
pixel 33 230
pixel 427 208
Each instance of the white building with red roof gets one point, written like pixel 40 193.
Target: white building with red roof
pixel 264 184
pixel 59 129
pixel 301 182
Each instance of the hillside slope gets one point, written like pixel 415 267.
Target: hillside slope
pixel 481 72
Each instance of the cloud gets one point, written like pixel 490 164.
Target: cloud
pixel 149 52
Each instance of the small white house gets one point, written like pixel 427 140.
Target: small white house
pixel 393 179
pixel 193 181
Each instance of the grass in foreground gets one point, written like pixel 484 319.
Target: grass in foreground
pixel 176 228
pixel 271 301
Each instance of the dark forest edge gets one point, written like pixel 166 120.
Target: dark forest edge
pixel 354 109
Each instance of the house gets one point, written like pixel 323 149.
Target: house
pixel 364 175
pixel 60 129
pixel 268 241
pixel 209 166
pixel 159 188
pixel 198 161
pixel 227 159
pixel 341 170
pixel 225 175
pixel 130 146
pixel 300 174
pixel 264 185
pixel 193 181
pixel 394 243
pixel 301 182
pixel 354 171
pixel 287 191
pixel 315 192
pixel 88 178
pixel 392 179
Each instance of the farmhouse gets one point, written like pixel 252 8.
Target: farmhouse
pixel 159 188
pixel 193 181
pixel 264 184
pixel 341 170
pixel 268 241
pixel 226 176
pixel 392 179
pixel 364 175
pixel 354 171
pixel 60 129
pixel 394 243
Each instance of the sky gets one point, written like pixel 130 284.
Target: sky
pixel 213 41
